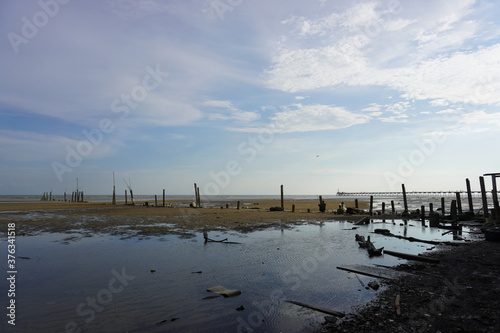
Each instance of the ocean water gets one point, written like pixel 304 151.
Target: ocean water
pixel 105 284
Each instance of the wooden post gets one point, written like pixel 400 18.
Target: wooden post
pixel 422 214
pixel 198 196
pixel 64 196
pixel 483 196
pixel 156 200
pixel 431 207
pixel 50 196
pixel 237 205
pixel 404 199
pixel 392 207
pixel 494 193
pixel 469 196
pixel 459 203
pixel 114 189
pixel 125 197
pixel 195 195
pixel 371 205
pixel 293 208
pixel 282 199
pixel 163 197
pixel 356 204
pixel 383 208
pixel 81 194
pixel 442 206
pixel 453 210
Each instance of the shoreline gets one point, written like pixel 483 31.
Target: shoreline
pixel 141 220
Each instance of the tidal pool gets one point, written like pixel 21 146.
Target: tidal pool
pixel 106 284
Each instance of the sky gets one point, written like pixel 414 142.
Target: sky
pixel 243 96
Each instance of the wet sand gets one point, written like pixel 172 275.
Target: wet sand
pixel 141 220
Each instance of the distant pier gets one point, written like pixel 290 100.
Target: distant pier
pixel 409 193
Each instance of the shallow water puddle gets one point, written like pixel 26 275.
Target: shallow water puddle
pixel 106 284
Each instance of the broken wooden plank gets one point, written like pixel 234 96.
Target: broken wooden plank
pixel 317 308
pixel 411 256
pixel 377 272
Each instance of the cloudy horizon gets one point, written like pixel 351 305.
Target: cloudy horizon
pixel 242 96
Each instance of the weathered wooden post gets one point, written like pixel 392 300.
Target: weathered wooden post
pixel 114 193
pixel 282 199
pixel 453 210
pixel 422 214
pixel 405 200
pixel 126 197
pixel 64 196
pixel 459 203
pixel 237 205
pixel 392 207
pixel 383 208
pixel 483 197
pixel 356 204
pixel 293 208
pixel 156 200
pixel 431 207
pixel 494 193
pixel 81 194
pixel 163 197
pixel 442 206
pixel 198 196
pixel 50 196
pixel 469 196
pixel 371 205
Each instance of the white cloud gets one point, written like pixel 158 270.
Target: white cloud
pixel 306 118
pixel 481 117
pixel 234 113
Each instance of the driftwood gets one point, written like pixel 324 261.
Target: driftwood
pixel 397 304
pixel 412 256
pixel 386 232
pixel 367 244
pixel 225 241
pixel 363 220
pixel 378 272
pixel 317 308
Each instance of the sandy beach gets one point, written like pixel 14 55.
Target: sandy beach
pixel 141 220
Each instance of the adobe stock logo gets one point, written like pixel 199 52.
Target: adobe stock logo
pixel 30 27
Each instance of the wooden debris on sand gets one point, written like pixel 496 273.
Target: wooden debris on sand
pixel 225 241
pixel 377 272
pixel 317 308
pixel 412 257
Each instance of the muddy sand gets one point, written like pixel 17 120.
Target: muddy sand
pixel 142 221
pixel 460 294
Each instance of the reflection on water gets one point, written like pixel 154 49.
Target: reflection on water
pixel 105 284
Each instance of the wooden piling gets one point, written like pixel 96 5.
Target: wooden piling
pixel 442 206
pixel 459 203
pixel 293 208
pixel 494 193
pixel 383 208
pixel 469 196
pixel 156 200
pixel 125 197
pixel 371 205
pixel 198 196
pixel 453 210
pixel 431 207
pixel 483 196
pixel 422 214
pixel 163 198
pixel 64 196
pixel 237 205
pixel 356 204
pixel 392 207
pixel 404 199
pixel 282 199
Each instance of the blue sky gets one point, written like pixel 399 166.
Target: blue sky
pixel 242 96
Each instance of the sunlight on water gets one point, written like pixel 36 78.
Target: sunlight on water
pixel 105 284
